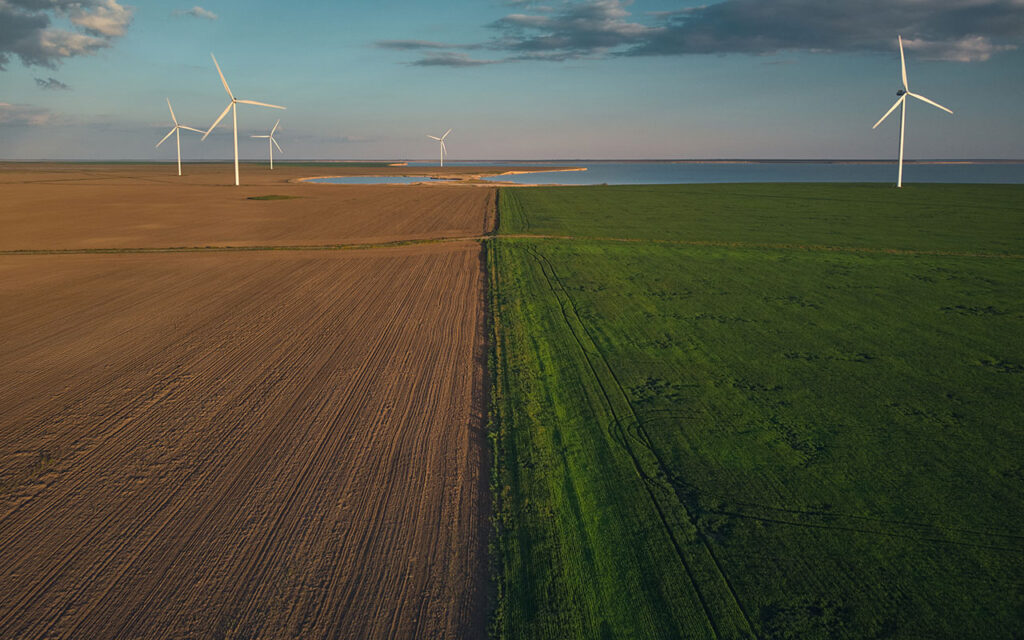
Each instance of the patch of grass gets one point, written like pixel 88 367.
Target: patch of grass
pixel 273 197
pixel 723 441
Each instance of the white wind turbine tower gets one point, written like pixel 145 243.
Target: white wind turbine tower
pixel 233 108
pixel 177 132
pixel 902 102
pixel 444 151
pixel 272 143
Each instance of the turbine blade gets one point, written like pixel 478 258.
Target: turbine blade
pixel 433 137
pixel 444 149
pixel 277 145
pixel 259 136
pixel 226 87
pixel 446 134
pixel 172 111
pixel 934 104
pixel 181 126
pixel 260 104
pixel 891 109
pixel 903 65
pixel 217 121
pixel 165 137
pixel 275 127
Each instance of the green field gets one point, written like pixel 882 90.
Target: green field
pixel 775 411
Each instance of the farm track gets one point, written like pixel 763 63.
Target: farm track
pixel 246 444
pixel 520 236
pixel 717 597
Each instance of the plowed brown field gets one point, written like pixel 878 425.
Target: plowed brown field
pixel 249 445
pixel 135 206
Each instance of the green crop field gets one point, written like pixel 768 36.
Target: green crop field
pixel 774 411
pixel 957 218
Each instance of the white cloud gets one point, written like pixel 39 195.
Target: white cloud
pixel 107 18
pixel 970 49
pixel 26 31
pixel 197 12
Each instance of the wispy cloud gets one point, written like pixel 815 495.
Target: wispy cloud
pixel 578 29
pixel 51 83
pixel 196 12
pixel 963 30
pixel 414 45
pixel 339 138
pixel 348 139
pixel 26 31
pixel 24 115
pixel 960 30
pixel 449 59
pixel 966 49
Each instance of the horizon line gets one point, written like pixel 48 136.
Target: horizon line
pixel 537 160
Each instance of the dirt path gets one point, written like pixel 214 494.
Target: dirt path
pixel 244 444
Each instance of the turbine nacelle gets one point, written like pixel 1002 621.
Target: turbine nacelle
pixel 901 92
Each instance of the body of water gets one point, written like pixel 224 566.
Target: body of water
pixel 716 172
pixel 376 180
pixel 608 172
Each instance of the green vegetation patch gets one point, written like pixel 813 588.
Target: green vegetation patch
pixel 934 217
pixel 723 441
pixel 273 197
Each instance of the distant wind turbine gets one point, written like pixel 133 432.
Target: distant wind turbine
pixel 232 107
pixel 177 132
pixel 902 101
pixel 444 151
pixel 272 143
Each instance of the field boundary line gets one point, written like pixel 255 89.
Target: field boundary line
pixel 486 237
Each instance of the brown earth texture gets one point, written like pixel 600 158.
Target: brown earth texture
pixel 283 441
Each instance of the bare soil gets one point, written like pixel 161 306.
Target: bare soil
pixel 265 444
pixel 48 206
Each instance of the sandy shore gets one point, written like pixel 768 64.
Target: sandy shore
pixel 457 176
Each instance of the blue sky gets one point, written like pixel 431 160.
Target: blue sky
pixel 516 79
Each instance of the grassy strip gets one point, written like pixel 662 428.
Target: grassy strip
pixel 572 564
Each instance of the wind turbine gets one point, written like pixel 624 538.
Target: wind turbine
pixel 233 108
pixel 444 151
pixel 902 102
pixel 272 143
pixel 177 132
